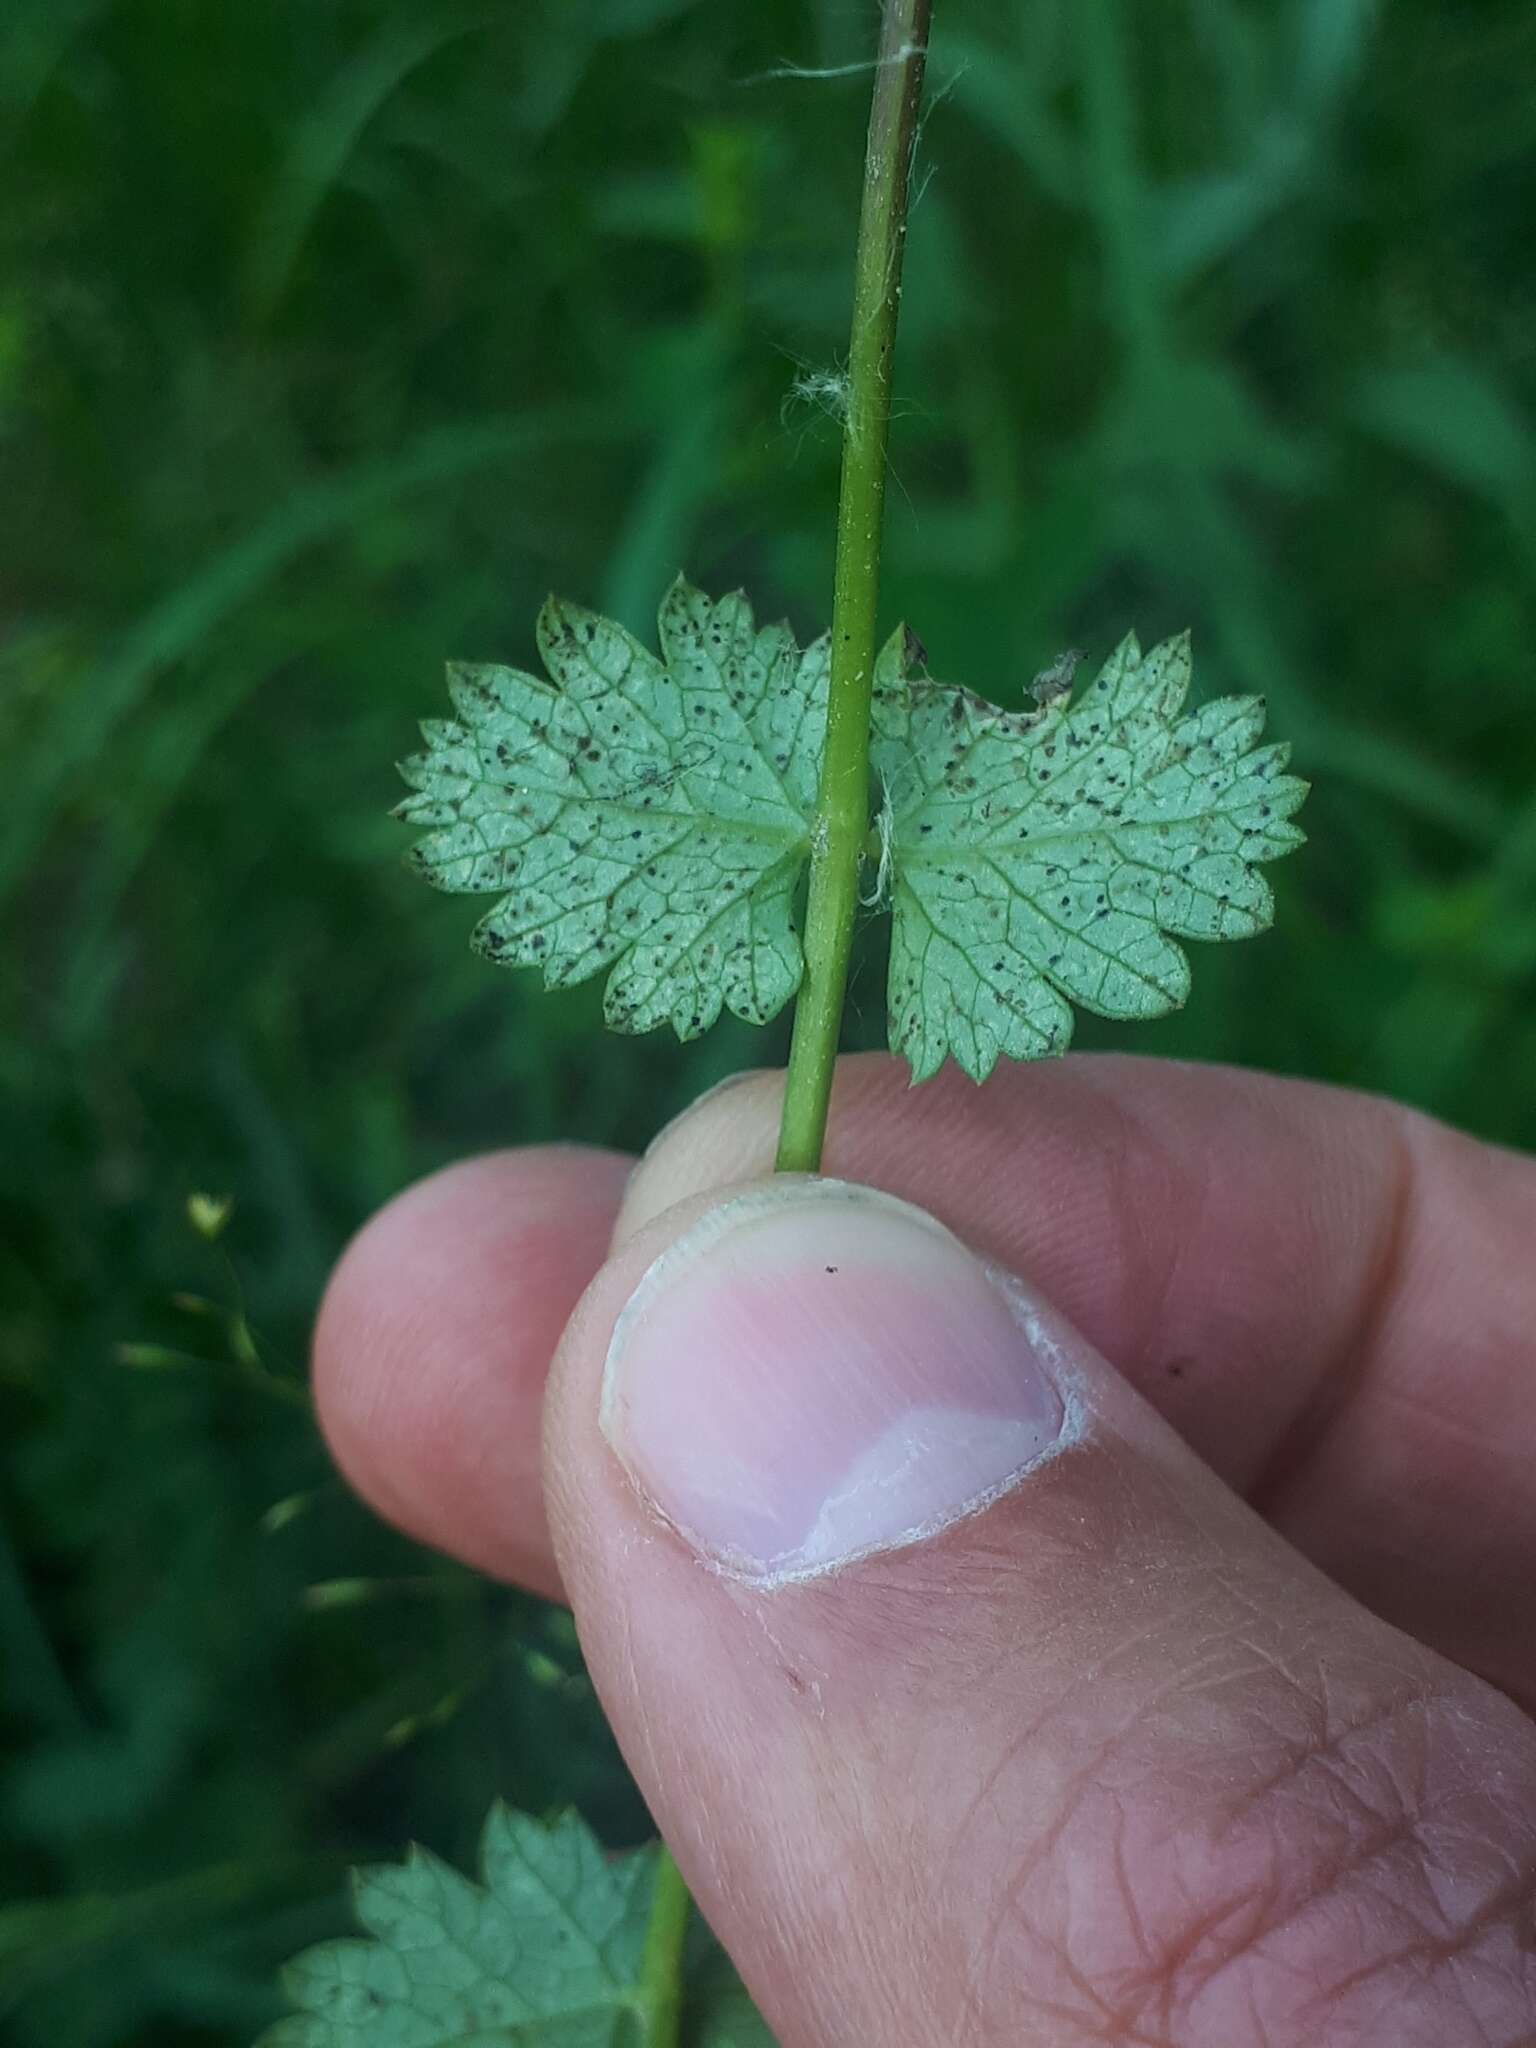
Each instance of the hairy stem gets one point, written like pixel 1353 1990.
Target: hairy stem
pixel 842 806
pixel 659 1994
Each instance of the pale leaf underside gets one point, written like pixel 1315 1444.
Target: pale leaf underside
pixel 649 817
pixel 1053 858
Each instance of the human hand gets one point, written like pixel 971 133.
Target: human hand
pixel 1106 1758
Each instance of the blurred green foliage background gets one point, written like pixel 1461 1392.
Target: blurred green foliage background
pixel 332 334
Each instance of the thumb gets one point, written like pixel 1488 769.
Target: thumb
pixel 974 1708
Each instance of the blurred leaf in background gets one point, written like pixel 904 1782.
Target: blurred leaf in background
pixel 333 336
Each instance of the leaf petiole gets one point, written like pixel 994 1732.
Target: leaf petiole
pixel 659 1992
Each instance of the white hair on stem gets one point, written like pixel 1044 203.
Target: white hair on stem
pixel 885 827
pixel 862 69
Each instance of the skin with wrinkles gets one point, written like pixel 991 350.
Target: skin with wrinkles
pixel 1111 1762
pixel 1094 1732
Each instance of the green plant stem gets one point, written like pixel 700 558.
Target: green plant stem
pixel 842 806
pixel 659 1994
